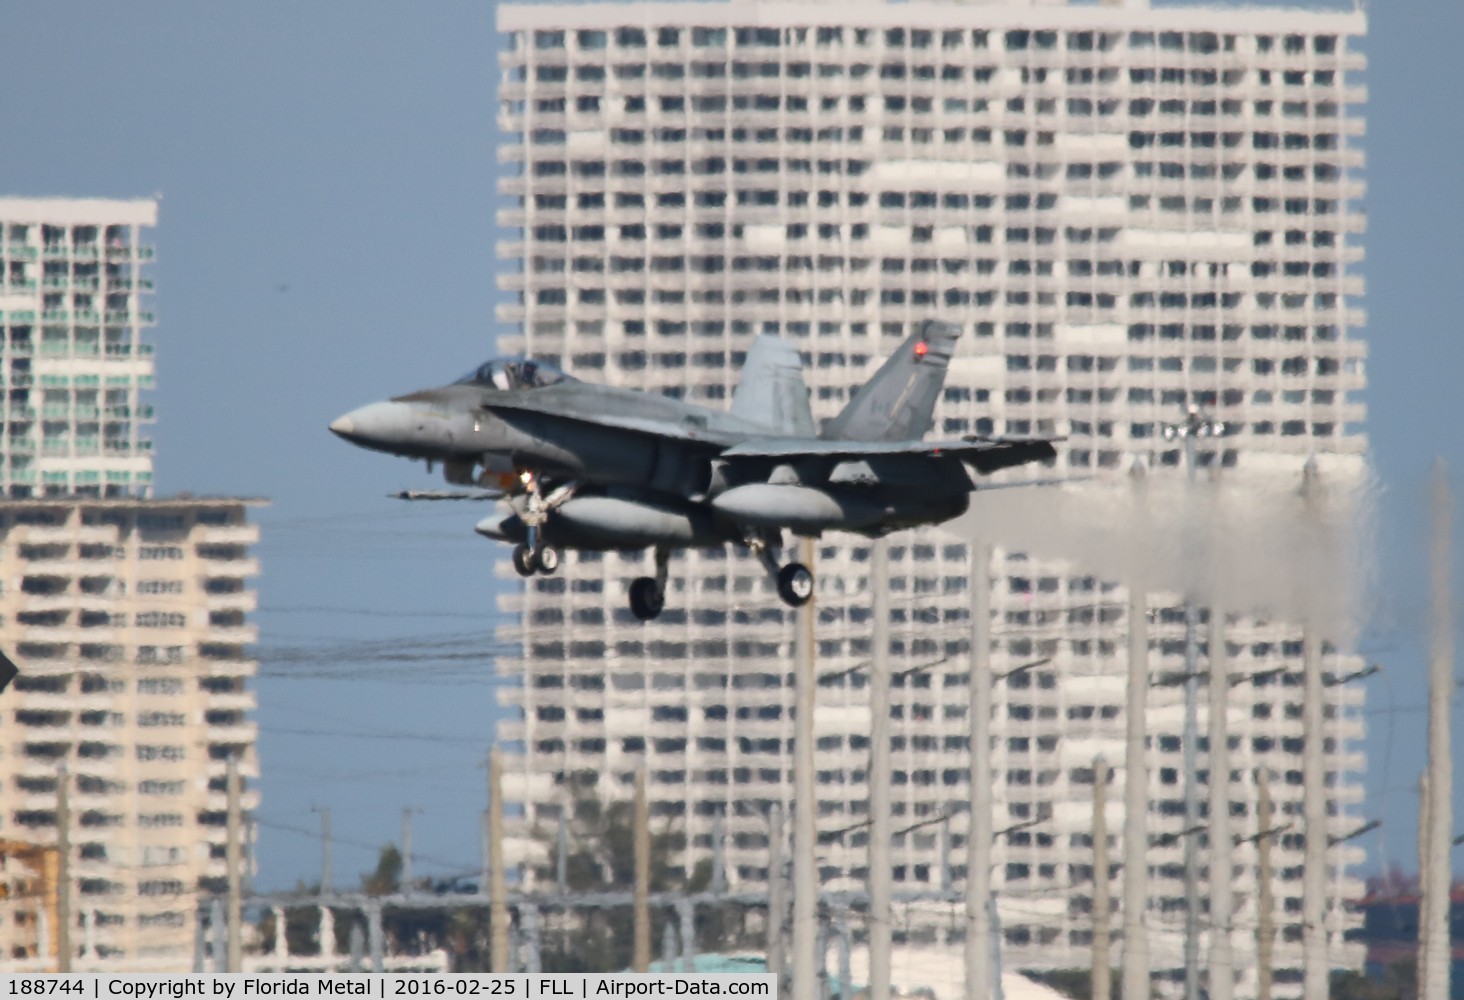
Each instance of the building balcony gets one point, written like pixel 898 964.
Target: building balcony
pixel 244 601
pixel 243 701
pixel 47 602
pixel 241 534
pixel 231 568
pixel 240 633
pixel 42 702
pixel 231 668
pixel 244 732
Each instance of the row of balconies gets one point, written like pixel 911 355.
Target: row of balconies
pixel 861 305
pixel 85 281
pixel 1112 210
pixel 897 146
pixel 869 69
pixel 1253 302
pixel 947 137
pixel 1104 41
pixel 107 604
pixel 85 251
pixel 1046 113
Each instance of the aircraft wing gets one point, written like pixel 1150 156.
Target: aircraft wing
pixel 689 429
pixel 985 454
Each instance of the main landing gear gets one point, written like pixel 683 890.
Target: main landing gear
pixel 794 581
pixel 648 593
pixel 534 556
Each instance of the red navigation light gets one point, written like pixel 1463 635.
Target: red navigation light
pixel 921 349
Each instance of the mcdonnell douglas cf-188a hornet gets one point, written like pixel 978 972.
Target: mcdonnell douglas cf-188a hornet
pixel 583 466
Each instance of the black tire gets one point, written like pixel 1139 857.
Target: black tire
pixel 795 584
pixel 548 560
pixel 524 561
pixel 646 599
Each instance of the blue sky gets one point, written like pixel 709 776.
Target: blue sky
pixel 327 176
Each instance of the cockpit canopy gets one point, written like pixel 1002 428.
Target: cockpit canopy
pixel 515 372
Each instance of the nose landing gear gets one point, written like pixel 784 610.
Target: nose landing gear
pixel 527 560
pixel 534 556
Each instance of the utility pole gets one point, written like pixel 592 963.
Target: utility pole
pixel 561 856
pixel 1101 977
pixel 497 881
pixel 1315 973
pixel 1421 967
pixel 1221 957
pixel 1195 426
pixel 234 859
pixel 1190 749
pixel 407 850
pixel 1265 886
pixel 1434 920
pixel 641 956
pixel 881 875
pixel 63 870
pixel 1135 978
pixel 326 884
pixel 979 825
pixel 485 870
pixel 805 799
pixel 777 903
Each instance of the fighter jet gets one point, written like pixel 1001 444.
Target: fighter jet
pixel 576 465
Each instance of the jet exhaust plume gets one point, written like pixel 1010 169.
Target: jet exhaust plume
pixel 1265 544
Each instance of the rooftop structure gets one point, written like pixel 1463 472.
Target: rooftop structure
pixel 1128 211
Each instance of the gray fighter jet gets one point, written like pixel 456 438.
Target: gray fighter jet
pixel 575 465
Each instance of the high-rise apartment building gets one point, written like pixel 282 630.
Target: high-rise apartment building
pixel 72 310
pixel 128 621
pixel 1128 211
pixel 126 615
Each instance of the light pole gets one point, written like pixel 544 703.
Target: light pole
pixel 1195 426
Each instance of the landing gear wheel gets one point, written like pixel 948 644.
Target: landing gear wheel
pixel 548 560
pixel 795 584
pixel 646 598
pixel 525 562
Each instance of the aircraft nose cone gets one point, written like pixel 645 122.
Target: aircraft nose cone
pixel 386 426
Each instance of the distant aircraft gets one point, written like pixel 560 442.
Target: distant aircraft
pixel 583 466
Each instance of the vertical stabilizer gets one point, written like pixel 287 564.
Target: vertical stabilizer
pixel 898 403
pixel 771 391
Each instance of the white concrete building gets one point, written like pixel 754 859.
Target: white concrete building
pixel 72 311
pixel 1128 210
pixel 128 621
